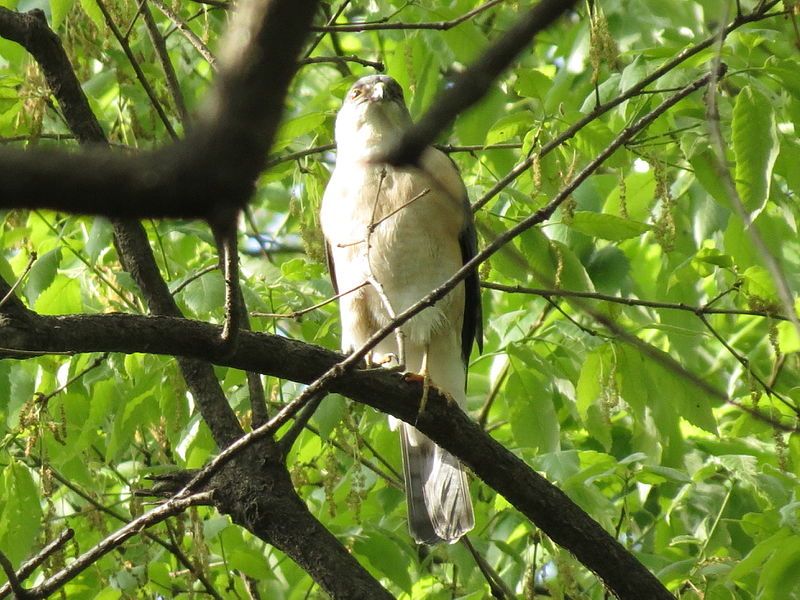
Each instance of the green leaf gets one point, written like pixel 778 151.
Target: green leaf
pixel 532 416
pixel 593 378
pixel 42 273
pixel 758 283
pixel 607 227
pixel 589 387
pixel 755 146
pixel 59 10
pixel 205 294
pixel 61 298
pixel 384 555
pixel 509 127
pixel 292 129
pixel 94 13
pixel 20 518
pixel 329 414
pixel 709 178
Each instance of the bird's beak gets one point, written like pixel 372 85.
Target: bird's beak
pixel 378 92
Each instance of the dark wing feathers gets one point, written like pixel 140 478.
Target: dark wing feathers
pixel 472 329
pixel 331 269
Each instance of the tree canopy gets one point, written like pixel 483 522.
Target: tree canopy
pixel 175 418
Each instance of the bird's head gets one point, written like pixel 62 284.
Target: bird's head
pixel 372 118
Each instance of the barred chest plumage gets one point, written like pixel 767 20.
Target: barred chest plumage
pixel 398 226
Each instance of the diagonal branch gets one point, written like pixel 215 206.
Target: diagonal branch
pixel 29 566
pixel 476 80
pixel 116 539
pixel 540 501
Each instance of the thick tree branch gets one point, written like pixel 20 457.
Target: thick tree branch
pixel 268 505
pixel 540 501
pixel 218 162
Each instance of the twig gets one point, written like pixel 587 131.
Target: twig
pixel 225 234
pixel 452 148
pixel 300 421
pixel 215 3
pixel 437 25
pixel 166 64
pixel 447 148
pixel 499 587
pixel 16 586
pixel 331 20
pixel 194 277
pixel 698 310
pixel 25 271
pixel 187 32
pixel 44 399
pixel 315 60
pixel 30 565
pixel 746 364
pixel 276 160
pixel 137 69
pixel 168 509
pixel 39 136
pixel 298 313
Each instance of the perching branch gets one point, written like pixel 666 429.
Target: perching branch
pixel 539 500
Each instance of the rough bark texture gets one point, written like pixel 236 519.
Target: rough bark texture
pixel 255 489
pixel 543 503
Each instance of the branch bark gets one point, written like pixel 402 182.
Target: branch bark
pixel 255 489
pixel 215 166
pixel 548 507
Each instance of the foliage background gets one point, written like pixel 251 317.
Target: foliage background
pixel 705 494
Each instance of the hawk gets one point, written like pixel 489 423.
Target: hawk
pixel 393 234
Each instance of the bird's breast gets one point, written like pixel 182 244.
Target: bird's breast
pixel 398 226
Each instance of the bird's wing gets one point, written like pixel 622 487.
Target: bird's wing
pixel 444 171
pixel 331 266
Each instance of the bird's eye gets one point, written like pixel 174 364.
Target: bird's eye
pixel 355 93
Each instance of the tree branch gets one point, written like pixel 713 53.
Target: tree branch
pixel 30 565
pixel 540 501
pixel 382 25
pixel 218 162
pixel 109 543
pixel 475 81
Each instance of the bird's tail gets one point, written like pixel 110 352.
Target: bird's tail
pixel 437 493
